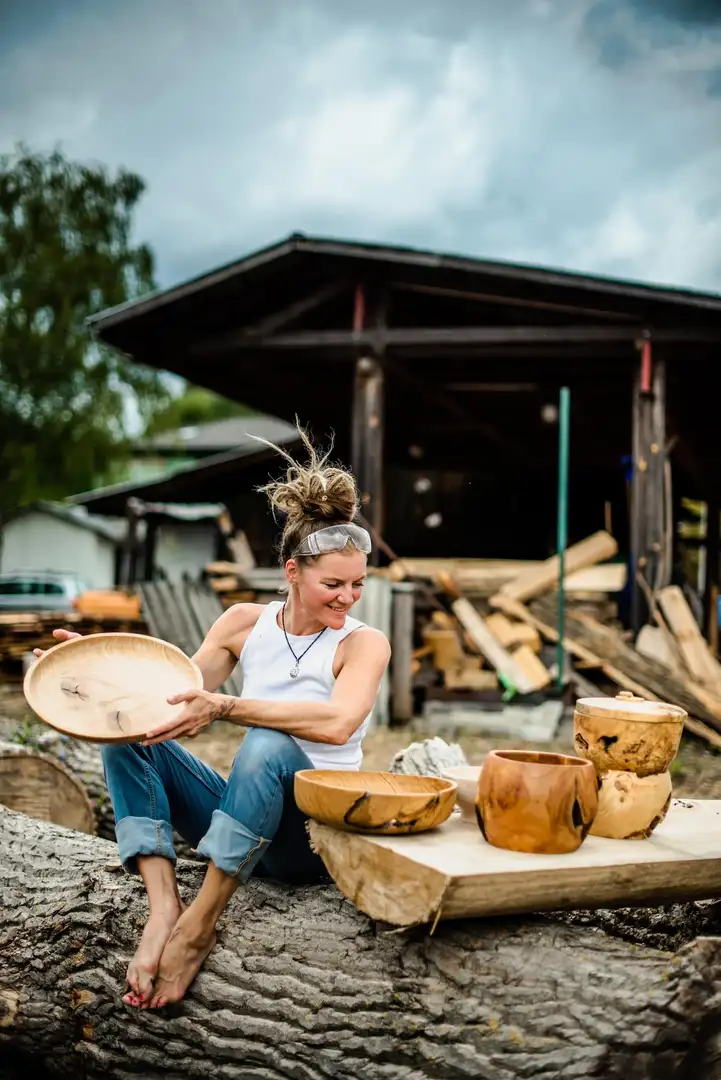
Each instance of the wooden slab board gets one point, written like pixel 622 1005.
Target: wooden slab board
pixel 452 873
pixel 594 549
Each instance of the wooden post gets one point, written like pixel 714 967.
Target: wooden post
pixel 402 661
pixel 648 518
pixel 133 511
pixel 368 421
pixel 713 558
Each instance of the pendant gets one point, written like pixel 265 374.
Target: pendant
pixel 294 672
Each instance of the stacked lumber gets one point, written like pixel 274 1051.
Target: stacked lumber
pixel 669 662
pixel 21 632
pixel 483 652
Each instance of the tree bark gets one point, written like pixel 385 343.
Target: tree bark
pixel 302 985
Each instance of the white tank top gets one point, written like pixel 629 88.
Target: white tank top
pixel 266 661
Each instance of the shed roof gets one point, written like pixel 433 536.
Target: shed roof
pixel 76 516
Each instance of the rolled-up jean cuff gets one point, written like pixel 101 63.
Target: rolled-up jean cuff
pixel 143 836
pixel 233 848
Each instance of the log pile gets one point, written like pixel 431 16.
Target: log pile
pixel 479 652
pixel 22 632
pixel 496 637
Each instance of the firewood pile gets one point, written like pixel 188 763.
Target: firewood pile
pixel 488 630
pixel 470 647
pixel 94 613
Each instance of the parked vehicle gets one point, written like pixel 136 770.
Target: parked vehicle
pixel 39 590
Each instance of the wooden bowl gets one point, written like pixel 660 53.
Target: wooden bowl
pixel 629 806
pixel 109 688
pixel 627 733
pixel 466 778
pixel 536 802
pixel 374 802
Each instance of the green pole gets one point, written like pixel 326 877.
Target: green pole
pixel 564 418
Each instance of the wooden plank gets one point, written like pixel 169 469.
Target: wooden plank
pixel 452 873
pixel 653 642
pixel 625 667
pixel 511 634
pixel 531 583
pixel 494 652
pixel 470 678
pixel 694 650
pixel 484 576
pixel 532 667
pixel 402 653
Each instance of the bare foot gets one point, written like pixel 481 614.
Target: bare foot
pixel 182 959
pixel 144 966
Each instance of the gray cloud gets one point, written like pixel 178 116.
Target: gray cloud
pixel 583 135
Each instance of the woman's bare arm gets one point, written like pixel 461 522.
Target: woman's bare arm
pixel 366 656
pixel 218 654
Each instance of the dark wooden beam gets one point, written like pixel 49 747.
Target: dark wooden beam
pixel 381 338
pixel 713 566
pixel 275 321
pixel 463 419
pixel 508 301
pixel 368 413
pixel 648 514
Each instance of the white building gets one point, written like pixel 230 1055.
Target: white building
pixel 48 536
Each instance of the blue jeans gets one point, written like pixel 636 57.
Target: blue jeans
pixel 249 822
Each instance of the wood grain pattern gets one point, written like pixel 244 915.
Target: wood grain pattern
pixel 375 802
pixel 453 873
pixel 627 733
pixel 692 646
pixel 529 583
pixel 109 688
pixel 536 802
pixel 42 787
pixel 630 807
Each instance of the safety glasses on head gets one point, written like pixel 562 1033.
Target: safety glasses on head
pixel 335 538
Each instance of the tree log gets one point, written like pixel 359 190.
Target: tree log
pixel 302 985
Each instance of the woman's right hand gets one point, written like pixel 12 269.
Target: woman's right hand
pixel 60 635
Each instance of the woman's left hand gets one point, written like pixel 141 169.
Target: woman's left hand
pixel 201 709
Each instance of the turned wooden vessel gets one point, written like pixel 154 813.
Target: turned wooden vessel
pixel 536 802
pixel 628 733
pixel 629 806
pixel 374 802
pixel 109 688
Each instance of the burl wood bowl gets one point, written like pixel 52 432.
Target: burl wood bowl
pixel 109 688
pixel 536 802
pixel 630 807
pixel 374 802
pixel 628 733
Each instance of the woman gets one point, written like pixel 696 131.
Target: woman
pixel 310 677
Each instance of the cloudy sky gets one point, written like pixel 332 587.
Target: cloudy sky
pixel 577 133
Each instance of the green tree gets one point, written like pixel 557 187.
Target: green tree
pixel 67 404
pixel 193 406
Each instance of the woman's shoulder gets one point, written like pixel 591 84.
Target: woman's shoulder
pixel 239 619
pixel 366 639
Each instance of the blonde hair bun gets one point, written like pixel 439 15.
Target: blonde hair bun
pixel 314 492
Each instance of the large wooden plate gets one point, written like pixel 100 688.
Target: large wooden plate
pixel 374 802
pixel 109 688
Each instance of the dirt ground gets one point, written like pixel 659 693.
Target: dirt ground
pixel 696 771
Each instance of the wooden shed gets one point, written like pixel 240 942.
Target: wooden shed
pixel 440 375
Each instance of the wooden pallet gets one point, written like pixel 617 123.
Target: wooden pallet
pixel 452 873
